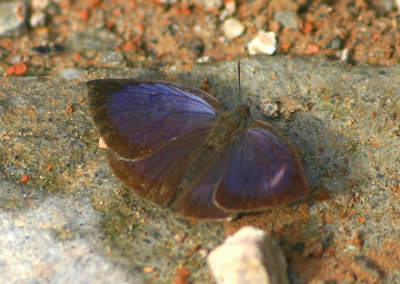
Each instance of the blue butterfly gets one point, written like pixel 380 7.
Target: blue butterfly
pixel 180 147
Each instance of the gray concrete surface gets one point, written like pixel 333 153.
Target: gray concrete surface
pixel 73 220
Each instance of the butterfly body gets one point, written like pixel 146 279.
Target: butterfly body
pixel 179 147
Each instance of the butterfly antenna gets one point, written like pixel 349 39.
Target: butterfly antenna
pixel 240 90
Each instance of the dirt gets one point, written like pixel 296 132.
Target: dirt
pixel 185 32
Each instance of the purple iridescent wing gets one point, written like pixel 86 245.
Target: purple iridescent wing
pixel 264 171
pixel 136 118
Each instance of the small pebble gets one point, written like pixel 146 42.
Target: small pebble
pixel 205 59
pixel 13 17
pixel 382 7
pixel 249 256
pixel 40 4
pixel 308 27
pixel 336 43
pixel 71 73
pixel 230 6
pixel 179 237
pixel 210 4
pixel 269 108
pixel 264 42
pixel 102 143
pixel 203 252
pixel 288 19
pixel 38 19
pixel 233 28
pixel 345 55
pixel 18 69
pixel 148 269
pixel 111 58
pixel 312 49
pixel 16 59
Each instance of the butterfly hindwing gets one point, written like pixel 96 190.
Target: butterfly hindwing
pixel 158 175
pixel 196 197
pixel 264 171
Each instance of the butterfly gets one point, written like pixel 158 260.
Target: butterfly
pixel 181 148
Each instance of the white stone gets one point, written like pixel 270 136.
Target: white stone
pixel 249 256
pixel 71 73
pixel 40 4
pixel 233 28
pixel 264 42
pixel 102 143
pixel 37 19
pixel 269 108
pixel 345 54
pixel 210 4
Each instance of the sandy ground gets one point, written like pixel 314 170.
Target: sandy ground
pixel 343 118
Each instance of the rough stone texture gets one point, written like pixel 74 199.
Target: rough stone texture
pixel 249 256
pixel 12 18
pixel 61 207
pixel 54 240
pixel 288 19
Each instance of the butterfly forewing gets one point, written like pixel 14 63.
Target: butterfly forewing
pixel 264 171
pixel 137 117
